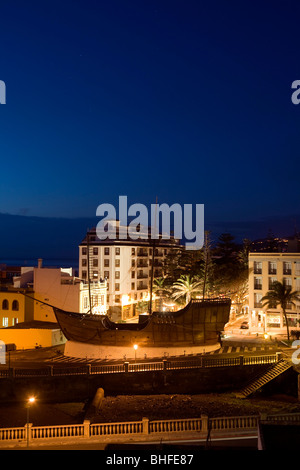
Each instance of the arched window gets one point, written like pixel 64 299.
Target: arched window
pixel 5 304
pixel 15 305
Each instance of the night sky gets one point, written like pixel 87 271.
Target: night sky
pixel 186 101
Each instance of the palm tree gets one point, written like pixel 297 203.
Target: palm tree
pixel 282 295
pixel 161 290
pixel 185 287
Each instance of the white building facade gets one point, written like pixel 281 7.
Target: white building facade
pixel 264 270
pixel 126 267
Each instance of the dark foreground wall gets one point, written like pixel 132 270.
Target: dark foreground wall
pixel 83 387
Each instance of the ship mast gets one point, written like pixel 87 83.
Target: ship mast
pixel 88 270
pixel 152 263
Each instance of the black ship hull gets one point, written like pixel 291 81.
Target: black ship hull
pixel 199 323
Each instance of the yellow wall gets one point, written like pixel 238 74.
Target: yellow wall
pixel 32 337
pixel 24 313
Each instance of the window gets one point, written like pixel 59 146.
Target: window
pixel 117 263
pixel 106 274
pixel 287 281
pixel 83 251
pixel 117 251
pixel 106 263
pixel 117 274
pixel 5 305
pixel 297 268
pixel 15 321
pixel 15 305
pixel 133 286
pixel 257 267
pixel 132 274
pixel 133 263
pixel 117 298
pixel 117 286
pixel 84 262
pixel 106 250
pixel 95 251
pixel 5 322
pixel 257 300
pixel 287 267
pixel 95 274
pixel 272 267
pixel 258 283
pixel 95 262
pixel 272 281
pixel 84 274
pixel 85 302
pixel 132 251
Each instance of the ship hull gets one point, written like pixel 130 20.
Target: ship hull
pixel 199 323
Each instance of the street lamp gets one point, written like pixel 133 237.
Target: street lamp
pixel 135 346
pixel 29 402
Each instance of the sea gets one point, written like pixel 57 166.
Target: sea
pixel 47 263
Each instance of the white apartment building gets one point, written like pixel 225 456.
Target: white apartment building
pixel 264 270
pixel 126 267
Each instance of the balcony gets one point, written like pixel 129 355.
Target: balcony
pixel 142 253
pixel 159 253
pixel 142 276
pixel 257 304
pixel 142 264
pixel 142 286
pixel 287 271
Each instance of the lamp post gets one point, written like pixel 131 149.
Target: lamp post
pixel 135 346
pixel 29 402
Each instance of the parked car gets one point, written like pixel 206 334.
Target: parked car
pixel 244 325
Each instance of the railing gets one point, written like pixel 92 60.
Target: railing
pixel 234 422
pixel 125 367
pixel 141 429
pixel 47 432
pixel 179 425
pixel 112 429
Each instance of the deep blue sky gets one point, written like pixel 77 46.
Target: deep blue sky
pixel 189 101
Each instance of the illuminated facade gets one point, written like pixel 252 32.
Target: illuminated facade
pixel 96 295
pixel 126 267
pixel 14 307
pixel 264 270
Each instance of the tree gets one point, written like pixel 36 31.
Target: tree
pixel 282 295
pixel 161 290
pixel 244 252
pixel 185 287
pixel 206 268
pixel 177 262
